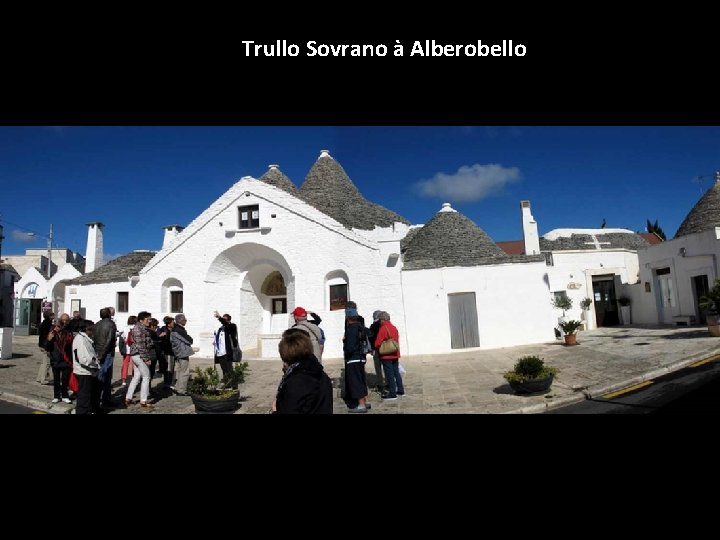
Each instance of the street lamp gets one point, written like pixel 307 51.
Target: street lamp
pixel 50 241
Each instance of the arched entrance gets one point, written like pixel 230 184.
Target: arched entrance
pixel 58 298
pixel 254 284
pixel 27 311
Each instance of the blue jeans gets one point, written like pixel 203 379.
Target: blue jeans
pixel 393 377
pixel 105 378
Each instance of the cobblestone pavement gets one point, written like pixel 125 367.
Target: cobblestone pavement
pixel 464 382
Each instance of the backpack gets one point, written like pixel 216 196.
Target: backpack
pixel 122 347
pixel 364 340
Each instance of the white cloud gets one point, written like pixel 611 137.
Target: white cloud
pixel 20 236
pixel 469 183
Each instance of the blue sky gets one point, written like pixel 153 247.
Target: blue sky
pixel 137 179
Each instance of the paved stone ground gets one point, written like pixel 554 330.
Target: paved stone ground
pixel 465 382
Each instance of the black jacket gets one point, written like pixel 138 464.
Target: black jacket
pixel 306 390
pixel 43 332
pixel 374 329
pixel 104 338
pixel 353 342
pixel 231 336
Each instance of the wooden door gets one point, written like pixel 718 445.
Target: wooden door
pixel 463 321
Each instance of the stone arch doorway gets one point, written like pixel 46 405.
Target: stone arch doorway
pixel 58 298
pixel 247 281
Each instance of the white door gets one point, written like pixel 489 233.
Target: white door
pixel 667 298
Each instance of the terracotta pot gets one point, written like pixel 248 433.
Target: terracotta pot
pixel 714 330
pixel 570 339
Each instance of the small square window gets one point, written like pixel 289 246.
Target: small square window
pixel 279 305
pixel 176 301
pixel 249 217
pixel 338 297
pixel 123 302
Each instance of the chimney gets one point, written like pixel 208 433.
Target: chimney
pixel 171 231
pixel 94 251
pixel 530 230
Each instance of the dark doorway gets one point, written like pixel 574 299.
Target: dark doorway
pixel 700 288
pixel 27 316
pixel 606 310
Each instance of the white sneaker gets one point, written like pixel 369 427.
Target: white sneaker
pixel 66 400
pixel 56 400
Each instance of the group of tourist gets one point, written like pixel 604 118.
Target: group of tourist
pixel 81 353
pixel 305 388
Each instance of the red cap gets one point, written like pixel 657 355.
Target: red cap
pixel 299 312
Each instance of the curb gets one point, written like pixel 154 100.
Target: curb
pixel 33 403
pixel 598 391
pixel 649 375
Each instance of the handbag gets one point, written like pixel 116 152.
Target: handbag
pixel 389 346
pixel 73 382
pixel 237 355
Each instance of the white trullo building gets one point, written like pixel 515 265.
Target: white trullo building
pixel 676 274
pixel 266 246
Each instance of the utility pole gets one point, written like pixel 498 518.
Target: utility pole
pixel 50 239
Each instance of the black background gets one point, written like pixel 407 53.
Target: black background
pixel 606 73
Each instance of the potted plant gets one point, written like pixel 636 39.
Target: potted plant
pixel 711 304
pixel 624 302
pixel 569 328
pixel 563 302
pixel 530 375
pixel 210 396
pixel 585 304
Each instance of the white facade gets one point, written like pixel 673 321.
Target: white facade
pixel 219 266
pixel 573 272
pixel 684 259
pixel 512 301
pixel 34 285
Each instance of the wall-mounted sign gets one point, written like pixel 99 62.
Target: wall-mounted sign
pixel 30 291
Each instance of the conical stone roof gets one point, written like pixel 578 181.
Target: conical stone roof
pixel 705 214
pixel 328 188
pixel 451 239
pixel 275 177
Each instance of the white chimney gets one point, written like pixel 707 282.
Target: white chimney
pixel 171 231
pixel 325 153
pixel 530 230
pixel 94 251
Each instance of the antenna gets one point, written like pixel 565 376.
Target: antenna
pixel 699 180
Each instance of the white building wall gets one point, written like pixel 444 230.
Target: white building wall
pixel 212 257
pixel 687 256
pixel 572 272
pixel 513 303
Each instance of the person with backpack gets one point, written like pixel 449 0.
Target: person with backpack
pixel 355 345
pixel 316 336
